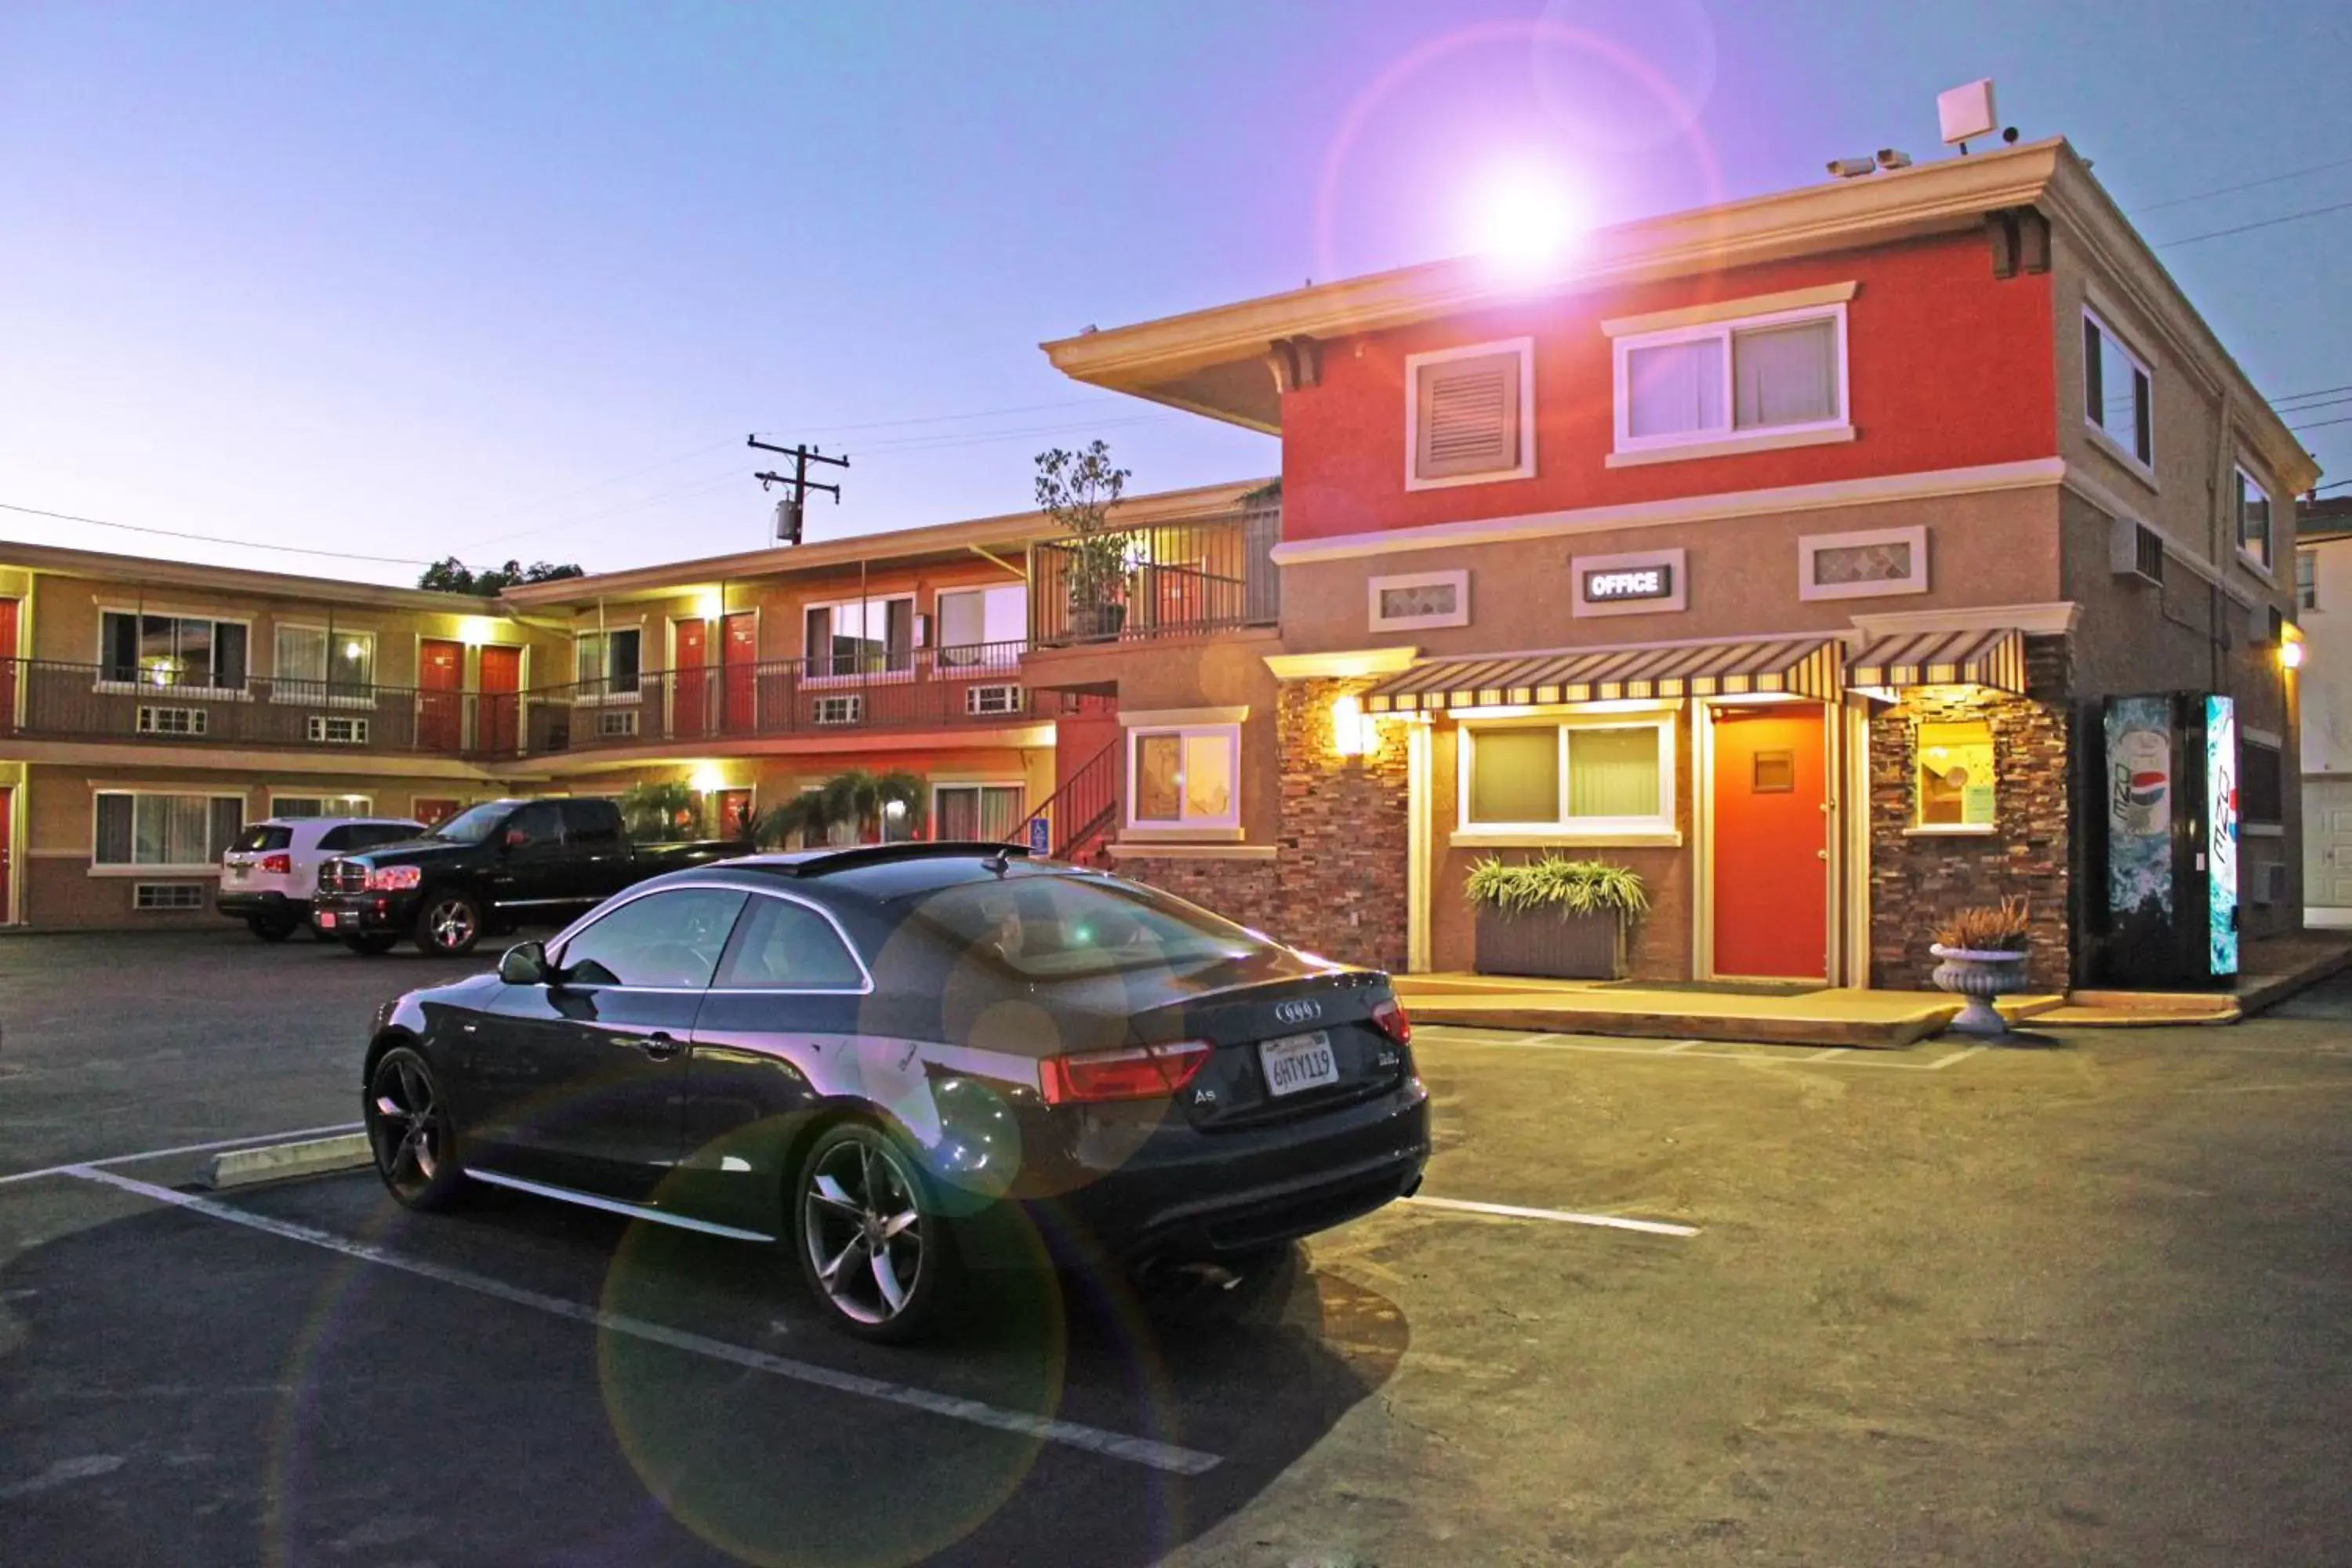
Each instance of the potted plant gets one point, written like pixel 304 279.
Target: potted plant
pixel 1077 490
pixel 1981 953
pixel 1562 919
pixel 661 813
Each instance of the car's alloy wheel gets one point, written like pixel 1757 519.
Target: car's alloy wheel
pixel 871 1248
pixel 408 1129
pixel 450 925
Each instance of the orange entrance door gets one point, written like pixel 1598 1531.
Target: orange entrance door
pixel 689 641
pixel 440 695
pixel 499 722
pixel 1771 844
pixel 738 652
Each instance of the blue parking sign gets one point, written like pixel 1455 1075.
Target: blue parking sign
pixel 1040 839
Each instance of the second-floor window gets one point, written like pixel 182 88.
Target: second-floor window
pixel 173 650
pixel 1775 375
pixel 607 663
pixel 2254 520
pixel 982 625
pixel 313 662
pixel 2118 399
pixel 2307 579
pixel 860 636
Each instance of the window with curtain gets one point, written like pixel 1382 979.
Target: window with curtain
pixel 173 650
pixel 982 625
pixel 311 662
pixel 1560 777
pixel 1721 381
pixel 1187 777
pixel 990 814
pixel 860 636
pixel 166 830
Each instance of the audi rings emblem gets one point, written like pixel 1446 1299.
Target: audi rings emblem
pixel 1304 1011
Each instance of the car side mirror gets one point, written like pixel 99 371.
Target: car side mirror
pixel 525 963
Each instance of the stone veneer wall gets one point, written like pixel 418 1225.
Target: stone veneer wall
pixel 1240 890
pixel 1340 877
pixel 1917 880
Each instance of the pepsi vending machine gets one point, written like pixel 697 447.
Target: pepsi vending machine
pixel 2170 905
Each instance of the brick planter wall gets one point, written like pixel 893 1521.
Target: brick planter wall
pixel 1914 882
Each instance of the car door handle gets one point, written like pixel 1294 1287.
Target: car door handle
pixel 659 1045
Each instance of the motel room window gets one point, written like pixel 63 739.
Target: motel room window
pixel 173 650
pixel 2119 400
pixel 1955 776
pixel 314 662
pixel 860 636
pixel 990 814
pixel 2307 579
pixel 2254 520
pixel 982 625
pixel 1567 778
pixel 1185 777
pixel 2261 785
pixel 608 663
pixel 1779 374
pixel 179 832
pixel 285 806
pixel 1470 414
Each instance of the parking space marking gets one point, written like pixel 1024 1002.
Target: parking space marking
pixel 1070 1434
pixel 1561 1217
pixel 78 1165
pixel 1698 1050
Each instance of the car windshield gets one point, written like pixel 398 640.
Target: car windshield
pixel 474 824
pixel 1050 927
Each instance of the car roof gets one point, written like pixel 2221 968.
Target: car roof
pixel 332 821
pixel 875 871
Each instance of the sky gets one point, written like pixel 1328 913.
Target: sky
pixel 406 280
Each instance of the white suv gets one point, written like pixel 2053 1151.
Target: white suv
pixel 272 870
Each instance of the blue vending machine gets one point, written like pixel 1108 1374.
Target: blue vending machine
pixel 2169 779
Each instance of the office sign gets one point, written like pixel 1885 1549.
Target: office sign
pixel 1614 583
pixel 1642 583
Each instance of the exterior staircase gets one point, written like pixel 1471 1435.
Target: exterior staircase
pixel 1075 821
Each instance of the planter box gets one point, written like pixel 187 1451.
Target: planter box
pixel 1577 947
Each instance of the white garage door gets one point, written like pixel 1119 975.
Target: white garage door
pixel 2327 844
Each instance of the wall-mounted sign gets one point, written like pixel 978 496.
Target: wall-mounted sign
pixel 1618 582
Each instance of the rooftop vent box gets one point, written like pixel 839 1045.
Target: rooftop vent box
pixel 1966 112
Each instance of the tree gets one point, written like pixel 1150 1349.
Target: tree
pixel 658 813
pixel 1077 490
pixel 451 575
pixel 857 799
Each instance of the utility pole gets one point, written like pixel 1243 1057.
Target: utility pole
pixel 789 510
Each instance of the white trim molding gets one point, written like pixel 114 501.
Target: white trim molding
pixel 1724 506
pixel 1732 447
pixel 1176 718
pixel 1457 579
pixel 1349 665
pixel 1730 310
pixel 1125 848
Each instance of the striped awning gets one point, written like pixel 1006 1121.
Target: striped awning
pixel 1994 658
pixel 1803 667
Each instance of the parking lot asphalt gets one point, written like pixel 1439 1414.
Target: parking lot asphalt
pixel 2078 1299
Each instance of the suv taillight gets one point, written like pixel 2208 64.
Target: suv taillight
pixel 1136 1072
pixel 278 865
pixel 1388 1017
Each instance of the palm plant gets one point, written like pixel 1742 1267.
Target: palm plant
pixel 656 812
pixel 857 798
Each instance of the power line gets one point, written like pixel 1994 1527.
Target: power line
pixel 2249 228
pixel 213 538
pixel 2313 406
pixel 2242 186
pixel 2315 392
pixel 954 419
pixel 2318 424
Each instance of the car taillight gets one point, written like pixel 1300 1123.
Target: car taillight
pixel 1137 1072
pixel 278 865
pixel 393 879
pixel 1388 1018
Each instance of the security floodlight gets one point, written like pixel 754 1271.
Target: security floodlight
pixel 1852 168
pixel 1888 158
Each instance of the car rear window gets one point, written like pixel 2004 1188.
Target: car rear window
pixel 261 837
pixel 1051 927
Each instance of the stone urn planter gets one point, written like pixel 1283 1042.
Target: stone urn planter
pixel 1976 975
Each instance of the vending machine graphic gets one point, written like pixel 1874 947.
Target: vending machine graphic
pixel 2169 780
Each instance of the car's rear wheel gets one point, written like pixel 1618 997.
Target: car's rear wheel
pixel 375 946
pixel 873 1247
pixel 409 1131
pixel 270 927
pixel 449 924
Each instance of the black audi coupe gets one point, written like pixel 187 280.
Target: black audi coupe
pixel 907 1060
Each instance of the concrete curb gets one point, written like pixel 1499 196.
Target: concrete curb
pixel 273 1162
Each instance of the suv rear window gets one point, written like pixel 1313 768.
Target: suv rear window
pixel 365 835
pixel 261 837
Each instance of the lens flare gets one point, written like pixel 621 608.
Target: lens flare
pixel 1525 219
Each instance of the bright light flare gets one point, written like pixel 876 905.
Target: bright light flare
pixel 1526 220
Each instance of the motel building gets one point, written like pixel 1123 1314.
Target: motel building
pixel 1802 553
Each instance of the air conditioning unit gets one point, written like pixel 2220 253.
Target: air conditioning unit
pixel 155 720
pixel 2135 550
pixel 2265 625
pixel 997 699
pixel 845 710
pixel 334 730
pixel 617 722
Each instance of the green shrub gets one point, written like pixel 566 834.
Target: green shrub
pixel 1557 885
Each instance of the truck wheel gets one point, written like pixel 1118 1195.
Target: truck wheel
pixel 449 924
pixel 374 946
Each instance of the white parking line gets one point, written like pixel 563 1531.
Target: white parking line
pixel 79 1165
pixel 1563 1216
pixel 1070 1434
pixel 1699 1051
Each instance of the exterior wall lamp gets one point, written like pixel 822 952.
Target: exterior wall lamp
pixel 2290 653
pixel 1353 733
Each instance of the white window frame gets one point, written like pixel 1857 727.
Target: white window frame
pixel 2306 577
pixel 153 871
pixel 1459 580
pixel 1564 827
pixel 1730 439
pixel 326 697
pixel 192 693
pixel 580 637
pixel 939 787
pixel 1526 468
pixel 1810 545
pixel 2100 434
pixel 2249 481
pixel 940 620
pixel 1231 733
pixel 809 655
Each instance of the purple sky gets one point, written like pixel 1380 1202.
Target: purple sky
pixel 411 279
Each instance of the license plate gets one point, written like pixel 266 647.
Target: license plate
pixel 235 873
pixel 1298 1061
pixel 326 920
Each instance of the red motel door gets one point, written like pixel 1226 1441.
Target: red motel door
pixel 433 810
pixel 440 699
pixel 7 804
pixel 501 709
pixel 8 691
pixel 734 814
pixel 1771 842
pixel 690 716
pixel 739 655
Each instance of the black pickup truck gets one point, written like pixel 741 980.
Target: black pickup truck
pixel 492 866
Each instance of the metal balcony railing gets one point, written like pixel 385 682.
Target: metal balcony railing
pixel 1177 579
